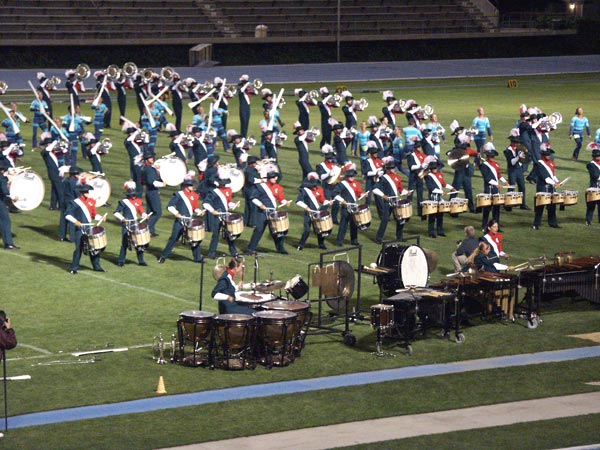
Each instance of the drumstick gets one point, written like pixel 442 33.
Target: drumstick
pixel 508 186
pixel 146 218
pixel 564 181
pixel 102 219
pixel 363 196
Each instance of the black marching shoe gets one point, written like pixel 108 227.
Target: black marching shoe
pixel 143 263
pixel 535 227
pixel 99 269
pixel 525 207
pixel 555 226
pixel 161 260
pixel 73 272
pixel 588 223
pixel 432 235
pixel 11 247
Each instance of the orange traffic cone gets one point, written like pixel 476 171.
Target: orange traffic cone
pixel 160 389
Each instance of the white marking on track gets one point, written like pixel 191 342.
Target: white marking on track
pixel 37 349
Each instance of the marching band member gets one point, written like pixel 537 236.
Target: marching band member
pixel 152 181
pixel 303 108
pixel 9 126
pixel 415 160
pixel 436 185
pixel 363 138
pixel 217 124
pixel 484 260
pixel 269 196
pixel 490 170
pixel 546 182
pixel 237 146
pixel 411 135
pixel 224 104
pixel 199 149
pixel 45 87
pixel 339 146
pixel 482 123
pixel 121 85
pixel 95 150
pixel 311 199
pixel 208 179
pixel 219 201
pixel 349 194
pixel 50 153
pixel 244 92
pixel 69 194
pixel 5 224
pixel 463 177
pixel 226 287
pixel 493 237
pixel 81 212
pixel 398 151
pixel 129 211
pixel 140 93
pixel 427 142
pixel 578 123
pixel 533 143
pixel 437 131
pixel 593 168
pixel 71 84
pixel 11 152
pixel 326 173
pixel 136 146
pixel 349 110
pixel 325 110
pixel 183 205
pixel 389 110
pixel 177 90
pixel 270 148
pixel 371 169
pixel 251 178
pixel 515 167
pixel 388 187
pixel 100 110
pixel 76 134
pixel 38 121
pixel 109 86
pixel 302 147
pixel 176 144
pixel 374 137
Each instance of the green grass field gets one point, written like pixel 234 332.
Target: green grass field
pixel 55 313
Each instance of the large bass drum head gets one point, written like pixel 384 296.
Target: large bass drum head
pixel 409 265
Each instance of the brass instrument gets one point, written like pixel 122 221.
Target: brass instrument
pixel 82 71
pixel 113 72
pixel 205 87
pixel 105 146
pixel 363 104
pixel 129 69
pixel 257 83
pixel 458 158
pixel 53 82
pixel 428 110
pixel 281 103
pixel 423 173
pixel 147 75
pixel 312 134
pixel 230 90
pixel 337 97
pixel 526 158
pixel 555 118
pixel 166 73
pixel 313 94
pixel 401 104
pixel 211 133
pixel 143 137
pixel 280 138
pixel 471 131
pixel 3 87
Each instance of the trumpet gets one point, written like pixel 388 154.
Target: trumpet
pixel 166 73
pixel 147 75
pixel 113 72
pixel 363 104
pixel 3 87
pixel 53 82
pixel 129 69
pixel 257 83
pixel 82 71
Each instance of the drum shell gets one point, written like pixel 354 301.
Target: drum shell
pixel 28 187
pixel 402 209
pixel 361 217
pixel 97 238
pixel 140 234
pixel 558 198
pixel 592 194
pixel 513 199
pixel 382 316
pixel 234 330
pixel 483 200
pixel 101 192
pixel 276 327
pixel 498 199
pixel 279 223
pixel 543 198
pixel 429 207
pixel 297 287
pixel 444 206
pixel 302 309
pixel 196 325
pixel 234 224
pixel 409 264
pixel 172 170
pixel 196 231
pixel 571 197
pixel 458 205
pixel 322 223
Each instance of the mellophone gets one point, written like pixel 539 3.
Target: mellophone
pixel 274 335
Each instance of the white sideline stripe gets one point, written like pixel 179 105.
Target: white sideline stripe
pixel 401 427
pixel 62 353
pixel 37 349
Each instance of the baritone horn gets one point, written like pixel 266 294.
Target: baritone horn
pixel 257 83
pixel 3 87
pixel 147 75
pixel 230 90
pixel 82 71
pixel 428 110
pixel 113 72
pixel 166 73
pixel 53 82
pixel 555 118
pixel 130 69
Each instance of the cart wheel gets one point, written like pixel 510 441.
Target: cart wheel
pixel 445 334
pixel 460 338
pixel 533 323
pixel 349 340
pixel 409 350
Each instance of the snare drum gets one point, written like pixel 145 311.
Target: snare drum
pixel 196 231
pixel 483 200
pixel 322 223
pixel 140 235
pixel 513 199
pixel 498 199
pixel 571 197
pixel 27 187
pixel 558 198
pixel 279 223
pixel 101 191
pixel 196 327
pixel 382 316
pixel 96 239
pixel 235 341
pixel 592 194
pixel 444 206
pixel 302 310
pixel 402 209
pixel 429 207
pixel 172 170
pixel 275 336
pixel 362 217
pixel 543 198
pixel 234 226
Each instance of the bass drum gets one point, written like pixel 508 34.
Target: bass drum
pixel 410 266
pixel 172 170
pixel 235 175
pixel 101 191
pixel 28 188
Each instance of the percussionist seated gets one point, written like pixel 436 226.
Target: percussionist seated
pixel 224 291
pixel 482 260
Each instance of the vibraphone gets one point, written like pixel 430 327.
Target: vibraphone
pixel 578 276
pixel 416 310
pixel 495 293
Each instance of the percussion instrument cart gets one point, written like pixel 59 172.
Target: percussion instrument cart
pixel 319 326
